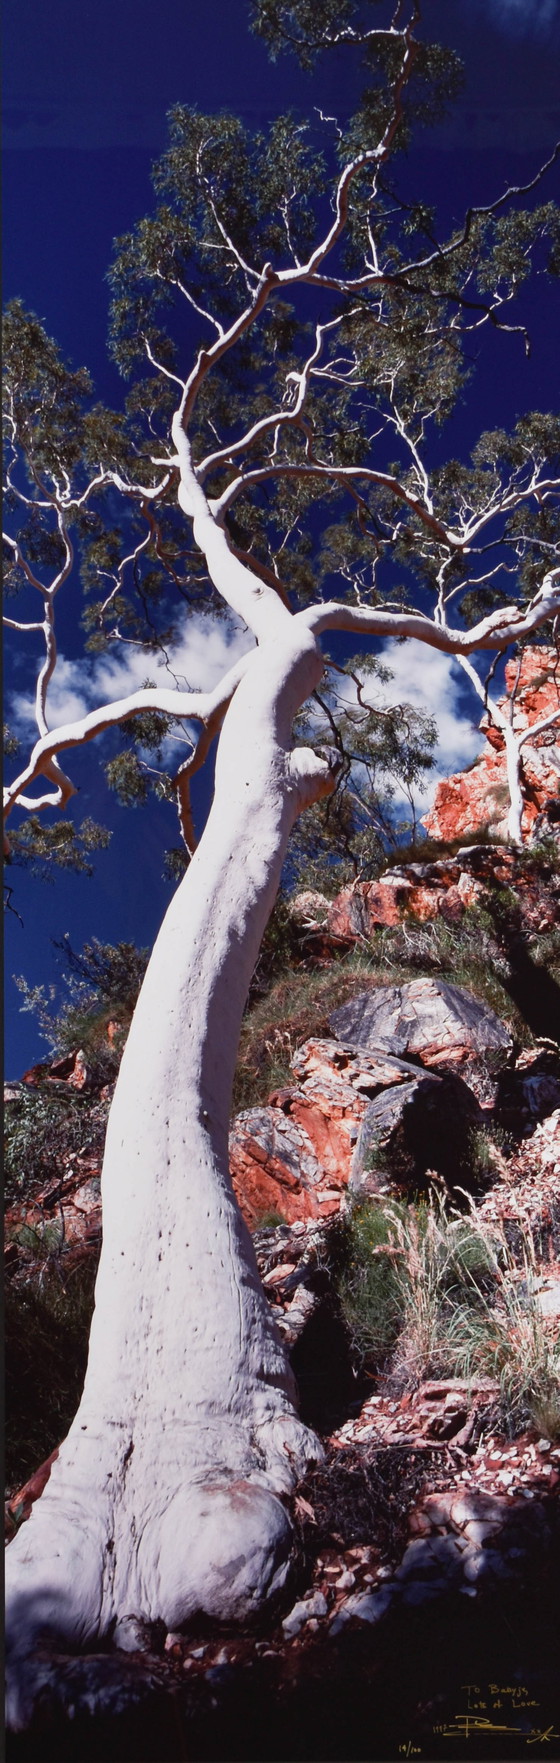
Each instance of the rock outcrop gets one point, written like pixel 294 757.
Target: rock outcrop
pixel 397 1093
pixel 444 889
pixel 427 1019
pixel 430 1123
pixel 71 1071
pixel 294 1156
pixel 478 800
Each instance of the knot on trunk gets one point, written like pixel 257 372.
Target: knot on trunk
pixel 314 773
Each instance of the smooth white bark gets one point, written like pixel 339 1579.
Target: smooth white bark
pixel 167 1495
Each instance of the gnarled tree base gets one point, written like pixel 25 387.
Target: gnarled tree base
pixel 139 1529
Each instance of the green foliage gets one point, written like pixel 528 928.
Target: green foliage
pixel 37 846
pixel 466 953
pixel 314 436
pixel 126 776
pixel 279 950
pixel 506 1336
pixel 136 771
pixel 10 742
pixel 46 1333
pixel 269 1220
pixel 296 1006
pixel 410 1268
pixel 102 983
pixel 431 1293
pixel 38 381
pixel 385 755
pixel 369 1288
pixel 44 1127
pixel 218 182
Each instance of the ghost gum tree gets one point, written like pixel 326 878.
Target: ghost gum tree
pixel 289 447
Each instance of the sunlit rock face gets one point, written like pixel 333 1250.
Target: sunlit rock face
pixel 295 1156
pixel 477 801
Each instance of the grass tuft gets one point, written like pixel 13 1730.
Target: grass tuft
pixel 427 1292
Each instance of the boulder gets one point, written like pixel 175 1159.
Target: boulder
pixel 295 1155
pixel 309 909
pixel 529 1091
pixel 444 889
pixel 71 1070
pixel 429 1123
pixel 338 1063
pixel 273 1166
pixel 364 907
pixel 426 1019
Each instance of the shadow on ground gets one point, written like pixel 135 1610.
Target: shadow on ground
pixel 457 1680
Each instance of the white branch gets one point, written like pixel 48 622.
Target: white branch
pixel 253 600
pixel 21 562
pixel 277 417
pixel 497 631
pixel 13 624
pixel 199 705
pixel 538 728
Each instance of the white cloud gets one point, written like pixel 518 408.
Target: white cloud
pixel 433 682
pixel 423 677
pixel 523 16
pixel 205 650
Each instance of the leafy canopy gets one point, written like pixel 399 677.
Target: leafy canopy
pixel 299 312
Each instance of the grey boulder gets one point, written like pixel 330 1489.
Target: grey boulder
pixel 430 1123
pixel 426 1019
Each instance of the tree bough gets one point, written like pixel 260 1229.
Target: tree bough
pixel 170 1495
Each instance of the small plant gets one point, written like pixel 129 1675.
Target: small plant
pixel 43 1128
pixel 296 1006
pixel 507 1336
pixel 431 1293
pixel 369 1288
pixel 441 1264
pixel 269 1220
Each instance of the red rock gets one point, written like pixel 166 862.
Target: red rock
pixel 295 1155
pixel 478 800
pixel 273 1166
pixel 19 1506
pixel 73 1202
pixel 367 906
pixel 70 1070
pixel 424 891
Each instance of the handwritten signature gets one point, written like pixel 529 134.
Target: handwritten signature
pixel 467 1724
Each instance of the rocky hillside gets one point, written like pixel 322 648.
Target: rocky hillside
pixel 397 1158
pixel 476 801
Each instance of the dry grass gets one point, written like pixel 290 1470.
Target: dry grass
pixel 432 1293
pixel 297 1004
pixel 296 1007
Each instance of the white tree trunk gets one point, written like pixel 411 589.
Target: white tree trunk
pixel 167 1495
pixel 515 785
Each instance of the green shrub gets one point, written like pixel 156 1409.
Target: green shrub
pixel 507 1336
pixel 296 1006
pixel 410 1266
pixel 369 1287
pixel 43 1128
pixel 47 1329
pixel 430 1293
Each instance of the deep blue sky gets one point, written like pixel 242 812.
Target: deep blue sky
pixel 87 90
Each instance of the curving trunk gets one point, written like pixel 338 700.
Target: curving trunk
pixel 168 1496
